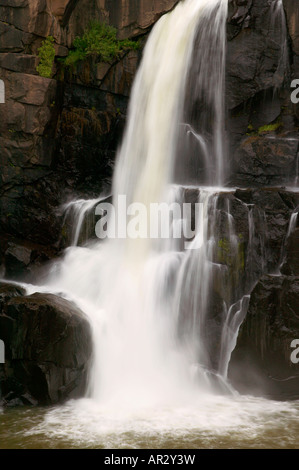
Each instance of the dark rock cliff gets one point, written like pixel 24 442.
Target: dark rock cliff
pixel 263 129
pixel 262 121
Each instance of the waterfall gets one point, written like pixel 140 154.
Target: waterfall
pixel 157 112
pixel 202 138
pixel 78 212
pixel 148 299
pixel 293 222
pixel 278 22
pixel 166 292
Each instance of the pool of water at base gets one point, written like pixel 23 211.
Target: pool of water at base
pixel 213 422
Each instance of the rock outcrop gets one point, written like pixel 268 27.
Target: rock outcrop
pixel 261 363
pixel 47 348
pixel 260 66
pixel 268 160
pixel 263 127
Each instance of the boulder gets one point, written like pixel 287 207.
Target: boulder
pixel 47 348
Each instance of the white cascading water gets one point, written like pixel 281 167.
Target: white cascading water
pixel 156 361
pixel 134 289
pixel 278 22
pixel 79 210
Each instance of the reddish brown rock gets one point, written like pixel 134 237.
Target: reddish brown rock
pixel 128 16
pixel 11 39
pixel 31 16
pixel 58 7
pixel 30 89
pixel 23 63
pixel 119 78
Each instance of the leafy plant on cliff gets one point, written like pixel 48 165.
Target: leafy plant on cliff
pixel 100 40
pixel 46 54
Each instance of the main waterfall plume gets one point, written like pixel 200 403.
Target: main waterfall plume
pixel 150 300
pixel 136 292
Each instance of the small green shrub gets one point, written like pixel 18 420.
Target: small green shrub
pixel 101 40
pixel 46 54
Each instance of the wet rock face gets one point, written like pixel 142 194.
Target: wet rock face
pixel 292 15
pixel 260 66
pixel 267 161
pixel 47 348
pixel 254 50
pixel 253 229
pixel 263 351
pixel 291 262
pixel 263 130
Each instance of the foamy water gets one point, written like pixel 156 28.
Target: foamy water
pixel 209 422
